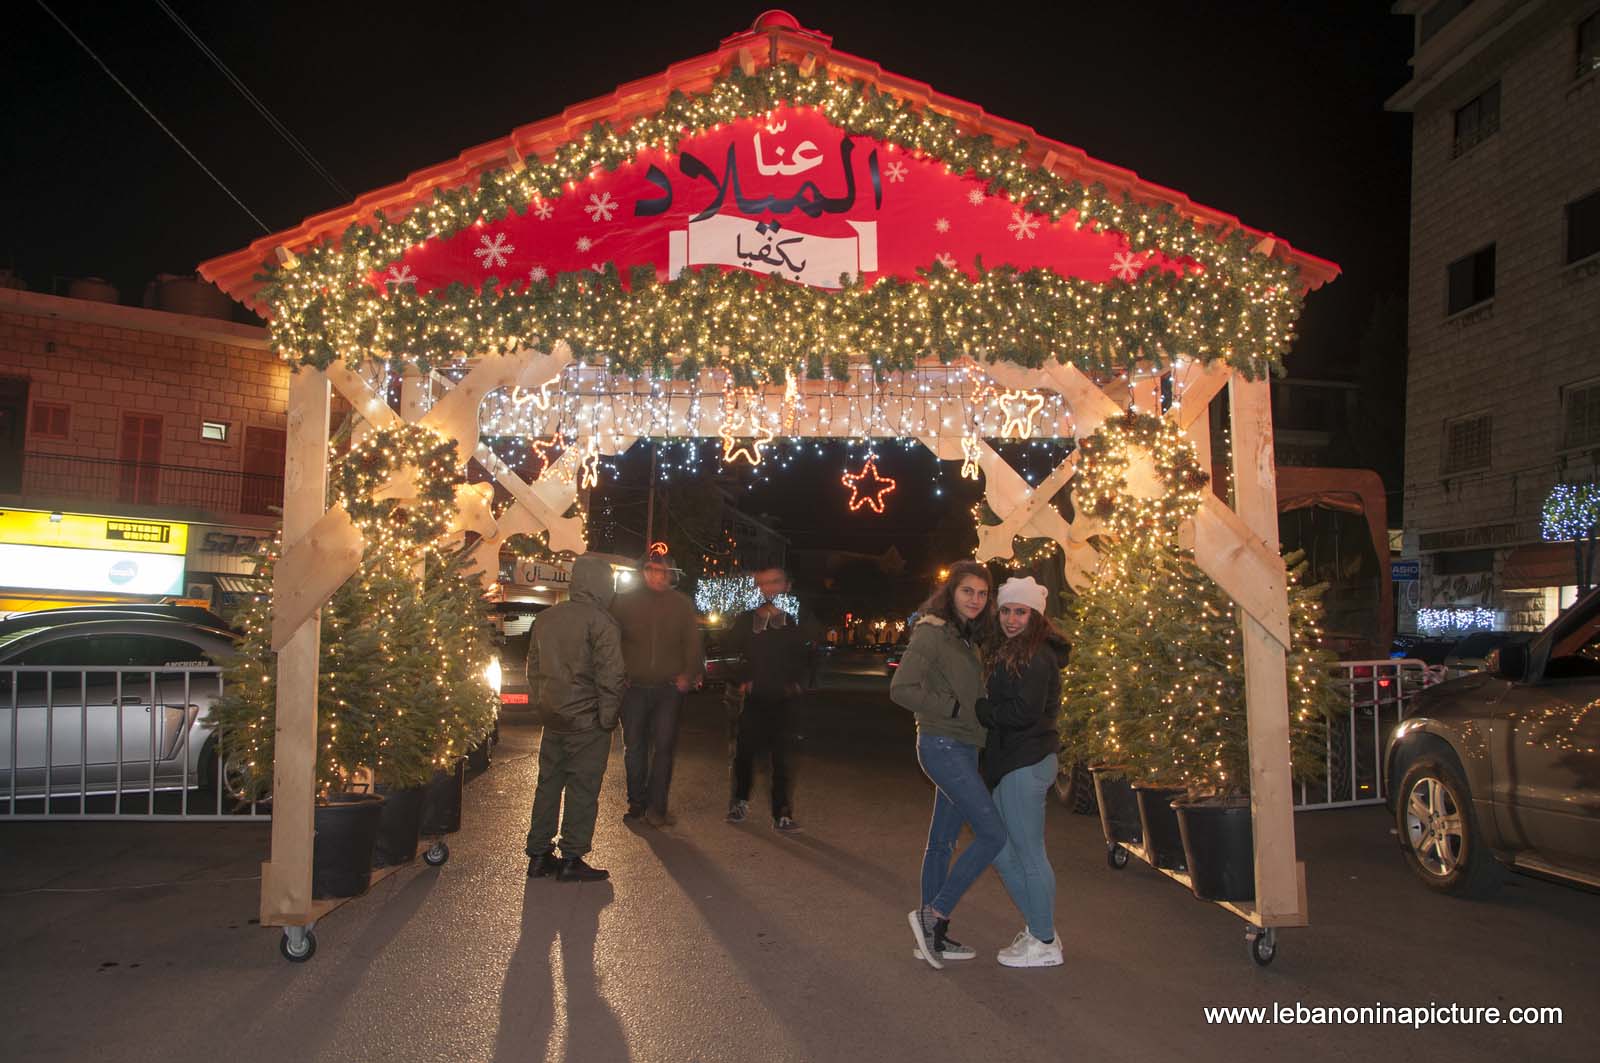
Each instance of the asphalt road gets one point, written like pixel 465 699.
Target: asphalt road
pixel 716 942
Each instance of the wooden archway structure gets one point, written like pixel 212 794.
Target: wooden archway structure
pixel 362 314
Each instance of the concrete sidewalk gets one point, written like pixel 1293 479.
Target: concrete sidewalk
pixel 715 942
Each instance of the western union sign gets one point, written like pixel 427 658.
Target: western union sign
pixel 26 527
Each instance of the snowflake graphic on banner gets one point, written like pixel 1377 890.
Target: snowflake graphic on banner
pixel 584 243
pixel 1126 265
pixel 975 197
pixel 399 275
pixel 941 225
pixel 601 207
pixel 494 254
pixel 945 259
pixel 543 210
pixel 537 274
pixel 1022 226
pixel 895 172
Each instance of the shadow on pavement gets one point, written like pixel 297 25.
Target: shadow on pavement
pixel 552 913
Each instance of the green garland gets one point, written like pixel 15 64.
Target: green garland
pixel 1241 308
pixel 377 459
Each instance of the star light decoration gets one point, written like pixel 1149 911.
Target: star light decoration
pixel 591 464
pixel 969 457
pixel 870 496
pixel 736 417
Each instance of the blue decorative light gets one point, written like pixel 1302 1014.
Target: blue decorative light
pixel 1571 511
pixel 1454 621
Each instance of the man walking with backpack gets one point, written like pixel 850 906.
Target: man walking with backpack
pixel 576 676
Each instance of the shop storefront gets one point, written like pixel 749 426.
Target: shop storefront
pixel 50 559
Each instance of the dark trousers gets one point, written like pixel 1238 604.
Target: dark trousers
pixel 571 766
pixel 762 729
pixel 650 741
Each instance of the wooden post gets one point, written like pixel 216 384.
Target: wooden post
pixel 1278 897
pixel 286 878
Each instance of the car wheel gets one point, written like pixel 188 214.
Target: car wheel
pixel 1439 831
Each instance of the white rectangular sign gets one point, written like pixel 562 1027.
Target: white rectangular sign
pixel 772 247
pixel 59 568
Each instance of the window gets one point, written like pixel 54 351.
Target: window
pixel 1589 45
pixel 1583 228
pixel 263 470
pixel 1477 119
pixel 1580 415
pixel 50 420
pixel 1436 17
pixel 1466 443
pixel 214 431
pixel 1471 280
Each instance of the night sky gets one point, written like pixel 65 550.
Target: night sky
pixel 1272 112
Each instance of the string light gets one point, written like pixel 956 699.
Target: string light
pixel 872 496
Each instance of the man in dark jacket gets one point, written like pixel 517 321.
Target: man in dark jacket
pixel 576 675
pixel 772 648
pixel 662 650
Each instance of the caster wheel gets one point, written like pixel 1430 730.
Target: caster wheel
pixel 436 855
pixel 1263 946
pixel 1117 857
pixel 298 944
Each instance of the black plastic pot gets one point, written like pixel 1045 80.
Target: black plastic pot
pixel 341 853
pixel 1219 842
pixel 1119 812
pixel 1163 842
pixel 441 801
pixel 399 826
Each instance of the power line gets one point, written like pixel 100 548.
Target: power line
pixel 192 156
pixel 261 108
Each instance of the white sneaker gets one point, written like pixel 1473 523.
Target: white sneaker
pixel 1029 951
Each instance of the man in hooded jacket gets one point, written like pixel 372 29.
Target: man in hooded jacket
pixel 576 675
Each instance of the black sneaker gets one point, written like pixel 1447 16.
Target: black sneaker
pixel 948 947
pixel 573 869
pixel 544 865
pixel 739 811
pixel 786 825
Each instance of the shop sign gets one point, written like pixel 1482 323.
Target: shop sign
pixel 79 531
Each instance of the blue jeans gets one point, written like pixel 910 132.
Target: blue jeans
pixel 960 797
pixel 649 742
pixel 1023 865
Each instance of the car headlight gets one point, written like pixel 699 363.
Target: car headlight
pixel 491 674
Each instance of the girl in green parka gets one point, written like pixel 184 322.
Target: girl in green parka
pixel 941 680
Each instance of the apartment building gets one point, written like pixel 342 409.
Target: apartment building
pixel 141 452
pixel 1503 397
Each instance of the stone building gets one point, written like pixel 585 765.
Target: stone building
pixel 141 452
pixel 1503 398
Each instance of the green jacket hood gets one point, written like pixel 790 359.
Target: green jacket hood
pixel 591 581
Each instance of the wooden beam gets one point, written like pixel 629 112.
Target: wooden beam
pixel 1278 887
pixel 995 540
pixel 1244 566
pixel 311 570
pixel 565 533
pixel 286 877
pixel 366 402
pixel 1196 385
pixel 455 415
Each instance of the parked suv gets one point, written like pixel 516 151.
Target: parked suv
pixel 132 684
pixel 1501 768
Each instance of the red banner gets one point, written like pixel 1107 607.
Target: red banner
pixel 789 194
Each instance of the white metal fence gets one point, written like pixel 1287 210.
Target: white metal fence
pixel 1378 695
pixel 108 743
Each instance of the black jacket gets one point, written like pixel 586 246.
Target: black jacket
pixel 773 660
pixel 1021 711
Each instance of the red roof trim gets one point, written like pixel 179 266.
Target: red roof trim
pixel 235 273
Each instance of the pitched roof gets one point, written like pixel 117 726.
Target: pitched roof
pixel 774 37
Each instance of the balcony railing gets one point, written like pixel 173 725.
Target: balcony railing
pixel 69 476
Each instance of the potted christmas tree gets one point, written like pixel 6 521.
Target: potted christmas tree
pixel 245 720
